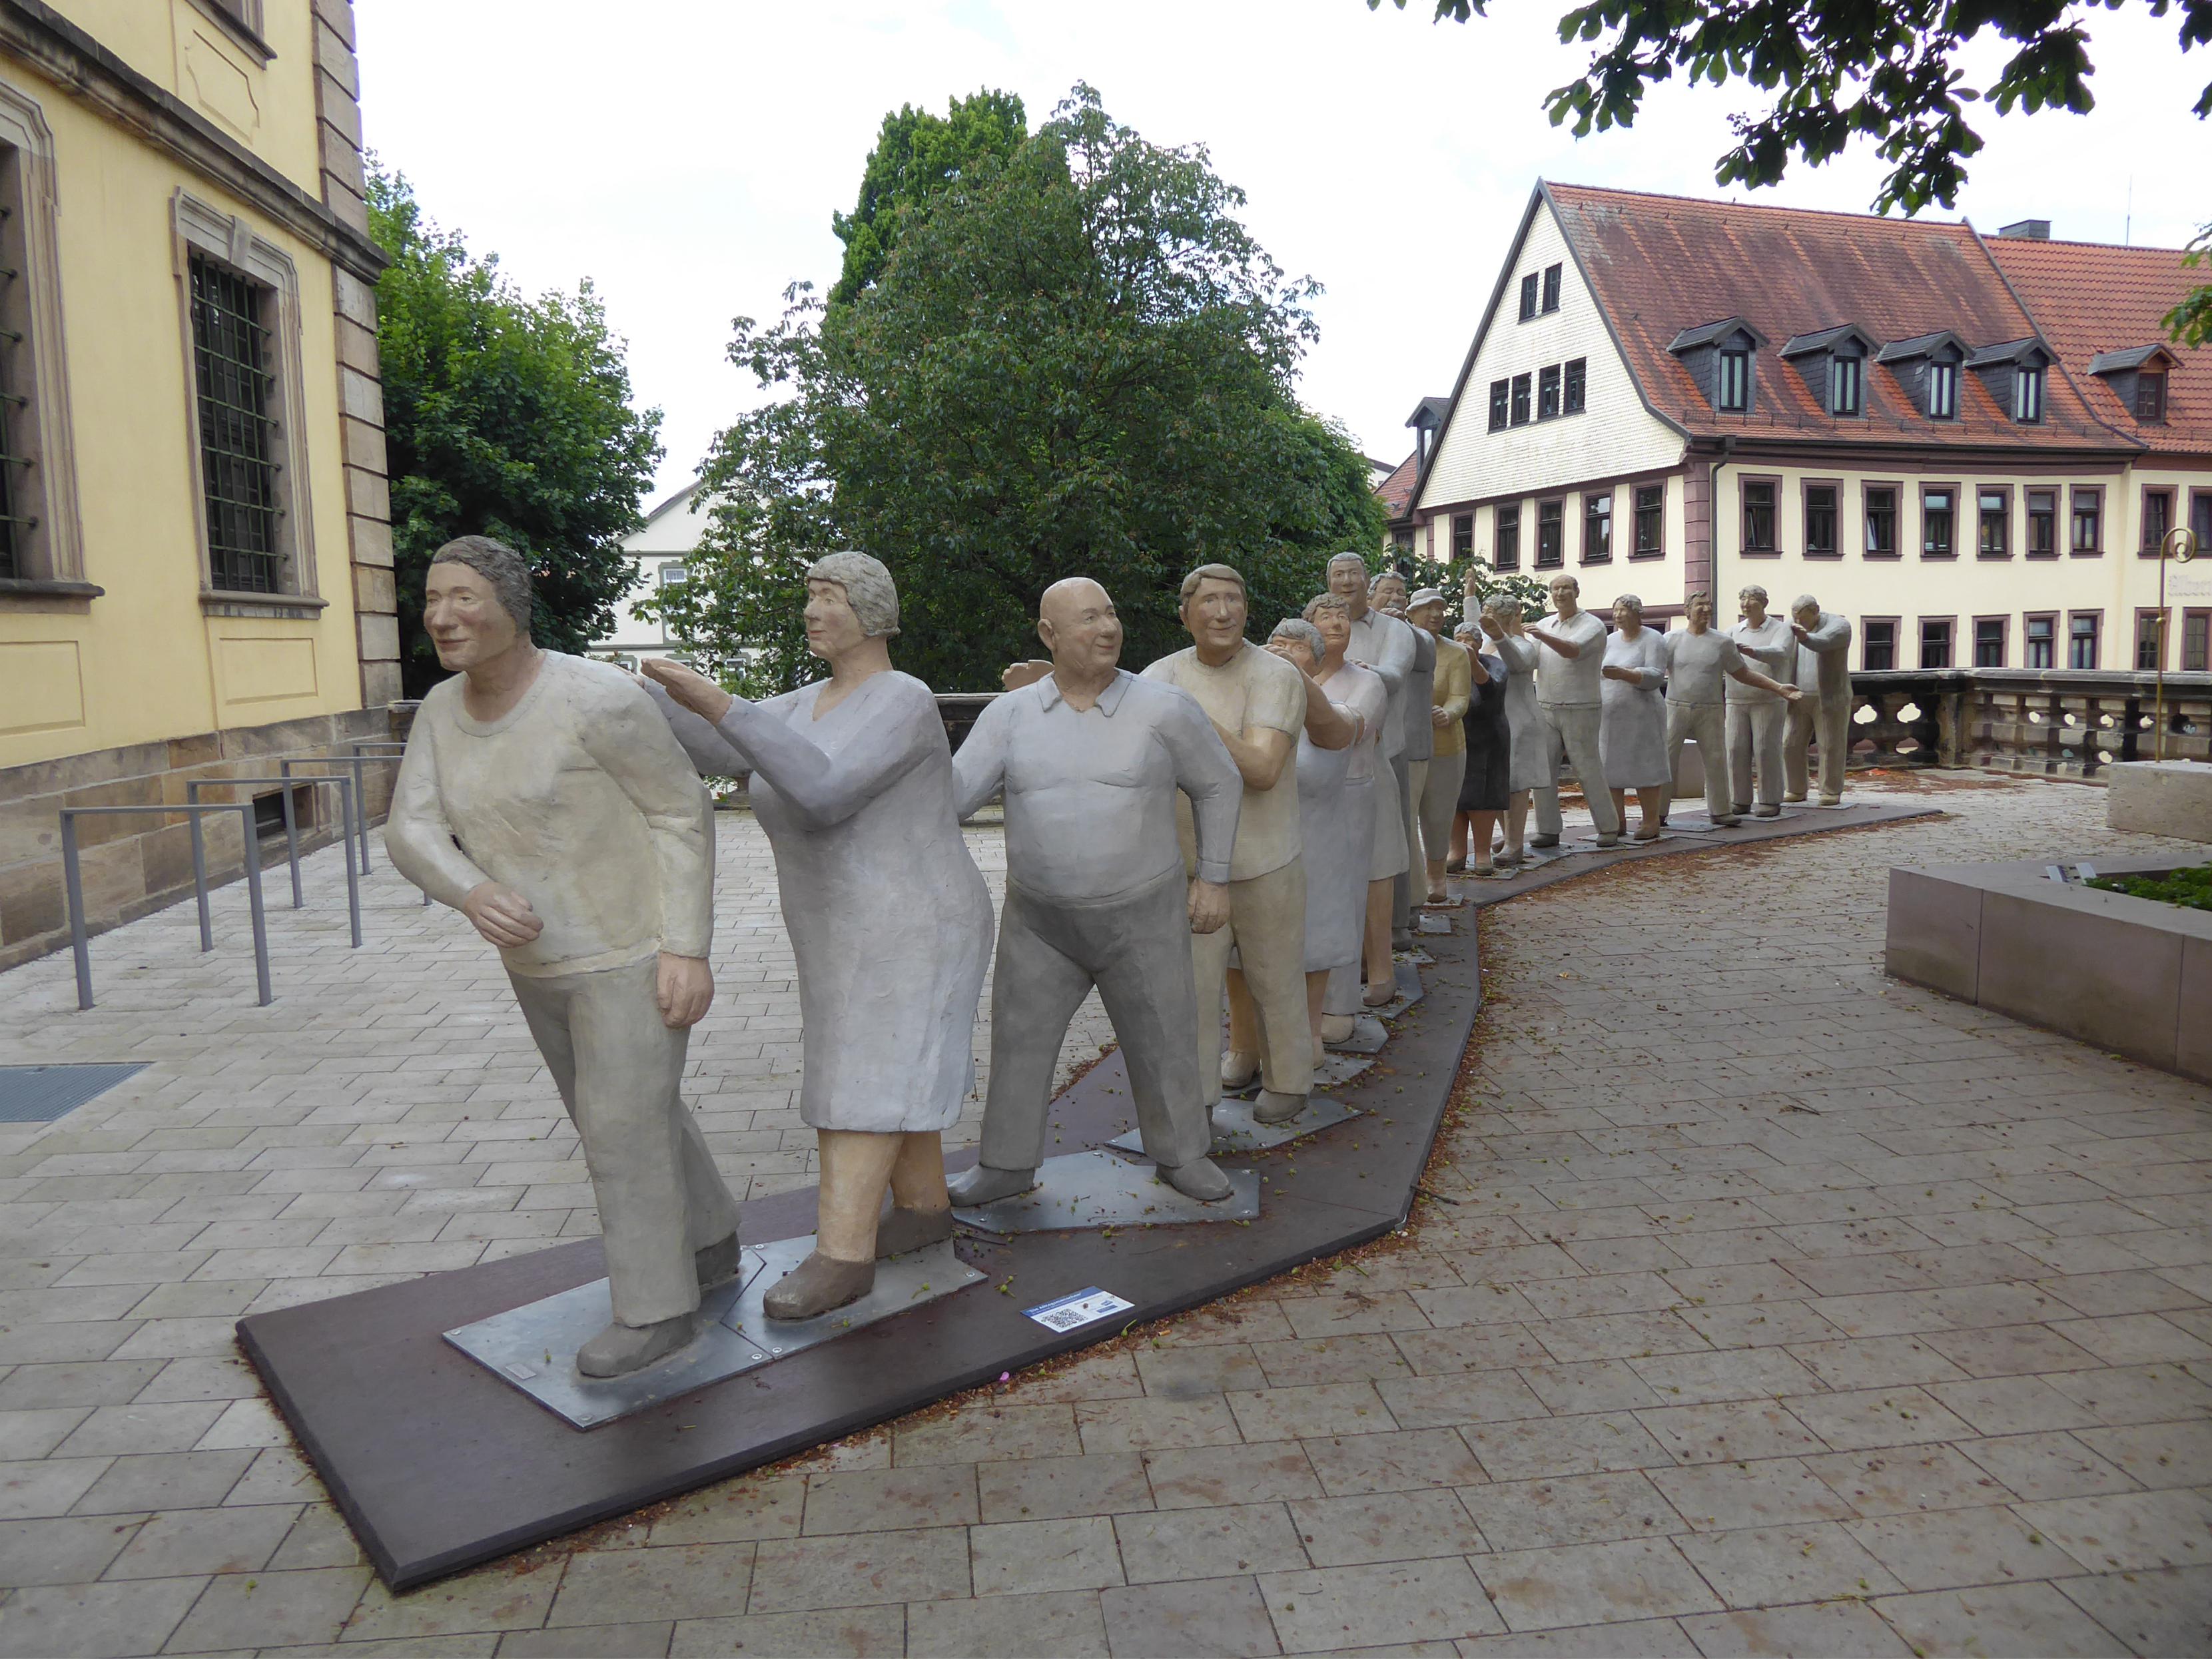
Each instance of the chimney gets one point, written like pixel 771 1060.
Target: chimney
pixel 2027 230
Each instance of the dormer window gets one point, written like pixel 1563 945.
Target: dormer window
pixel 1846 386
pixel 1732 385
pixel 2137 377
pixel 2027 396
pixel 1943 392
pixel 2016 374
pixel 2150 399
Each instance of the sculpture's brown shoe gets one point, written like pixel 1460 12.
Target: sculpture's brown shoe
pixel 905 1230
pixel 621 1349
pixel 816 1285
pixel 716 1263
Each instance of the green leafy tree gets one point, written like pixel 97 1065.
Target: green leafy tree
pixel 918 156
pixel 1076 362
pixel 1884 71
pixel 505 416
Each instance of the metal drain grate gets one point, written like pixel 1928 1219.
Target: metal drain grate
pixel 39 1094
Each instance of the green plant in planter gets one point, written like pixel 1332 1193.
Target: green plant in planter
pixel 2191 887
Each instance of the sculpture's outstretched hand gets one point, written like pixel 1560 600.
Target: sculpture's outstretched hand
pixel 1020 674
pixel 689 687
pixel 1792 693
pixel 501 915
pixel 1209 907
pixel 684 989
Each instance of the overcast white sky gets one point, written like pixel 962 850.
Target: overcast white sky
pixel 686 154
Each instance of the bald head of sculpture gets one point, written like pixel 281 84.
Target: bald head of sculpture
pixel 1077 621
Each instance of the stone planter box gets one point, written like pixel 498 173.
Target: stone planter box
pixel 2161 798
pixel 2132 976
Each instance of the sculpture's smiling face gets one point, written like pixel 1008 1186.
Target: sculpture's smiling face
pixel 1627 618
pixel 1388 595
pixel 1347 579
pixel 1215 613
pixel 1079 625
pixel 1335 626
pixel 832 627
pixel 462 614
pixel 1700 613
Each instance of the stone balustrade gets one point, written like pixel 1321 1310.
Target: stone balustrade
pixel 2060 723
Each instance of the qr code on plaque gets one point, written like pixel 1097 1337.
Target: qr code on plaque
pixel 1065 1319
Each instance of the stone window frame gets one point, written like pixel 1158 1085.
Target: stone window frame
pixel 1866 625
pixel 1805 488
pixel 199 228
pixel 1773 548
pixel 1500 560
pixel 54 567
pixel 2146 613
pixel 1936 486
pixel 2149 547
pixel 1462 536
pixel 1556 504
pixel 1867 487
pixel 1999 489
pixel 2096 635
pixel 2028 522
pixel 2200 519
pixel 1949 625
pixel 243 20
pixel 2200 618
pixel 1590 499
pixel 2075 494
pixel 2003 620
pixel 2027 641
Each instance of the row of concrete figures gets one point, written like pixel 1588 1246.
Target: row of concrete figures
pixel 1172 839
pixel 1620 709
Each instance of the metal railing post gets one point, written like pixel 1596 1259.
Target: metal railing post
pixel 73 884
pixel 200 886
pixel 253 899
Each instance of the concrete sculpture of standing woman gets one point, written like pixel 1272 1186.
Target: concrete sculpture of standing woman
pixel 1632 733
pixel 852 779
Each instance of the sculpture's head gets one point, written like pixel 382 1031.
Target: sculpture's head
pixel 1697 612
pixel 850 598
pixel 1805 610
pixel 1427 610
pixel 475 602
pixel 1751 601
pixel 1501 614
pixel 1298 640
pixel 1214 610
pixel 1077 621
pixel 1469 633
pixel 1331 615
pixel 1387 593
pixel 1347 579
pixel 1565 592
pixel 1628 613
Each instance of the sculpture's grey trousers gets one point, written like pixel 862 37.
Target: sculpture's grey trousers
pixel 1135 948
pixel 1754 738
pixel 1812 717
pixel 1707 722
pixel 1268 930
pixel 620 1072
pixel 1439 805
pixel 1570 734
pixel 1413 783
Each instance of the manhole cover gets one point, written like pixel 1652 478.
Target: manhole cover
pixel 39 1094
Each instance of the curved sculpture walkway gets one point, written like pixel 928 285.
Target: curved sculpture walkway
pixel 438 1465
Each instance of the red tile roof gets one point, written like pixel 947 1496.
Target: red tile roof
pixel 1661 265
pixel 1396 491
pixel 2090 298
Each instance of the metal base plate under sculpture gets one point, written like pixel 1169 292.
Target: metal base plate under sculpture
pixel 1408 974
pixel 1096 1190
pixel 1367 1038
pixel 534 1346
pixel 1236 1130
pixel 1334 1069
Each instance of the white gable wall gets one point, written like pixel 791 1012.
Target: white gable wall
pixel 1615 436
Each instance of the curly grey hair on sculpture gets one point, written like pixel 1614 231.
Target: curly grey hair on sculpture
pixel 868 587
pixel 1504 605
pixel 1298 628
pixel 506 570
pixel 1325 602
pixel 1632 604
pixel 1750 588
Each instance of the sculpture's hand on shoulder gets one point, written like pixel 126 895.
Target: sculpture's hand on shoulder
pixel 1209 907
pixel 502 915
pixel 1020 674
pixel 690 688
pixel 684 989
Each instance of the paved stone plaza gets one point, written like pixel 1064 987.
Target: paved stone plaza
pixel 1764 1306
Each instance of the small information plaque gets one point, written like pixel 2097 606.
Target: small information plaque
pixel 1083 1306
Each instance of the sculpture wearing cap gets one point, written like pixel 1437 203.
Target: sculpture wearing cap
pixel 851 780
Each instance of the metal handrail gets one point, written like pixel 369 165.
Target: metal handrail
pixel 73 884
pixel 346 804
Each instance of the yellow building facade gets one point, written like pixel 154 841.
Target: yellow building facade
pixel 195 553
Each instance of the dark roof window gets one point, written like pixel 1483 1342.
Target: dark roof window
pixel 1719 357
pixel 2137 377
pixel 1927 366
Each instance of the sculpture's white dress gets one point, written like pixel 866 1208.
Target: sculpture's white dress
pixel 1632 736
pixel 1336 821
pixel 1531 767
pixel 888 917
